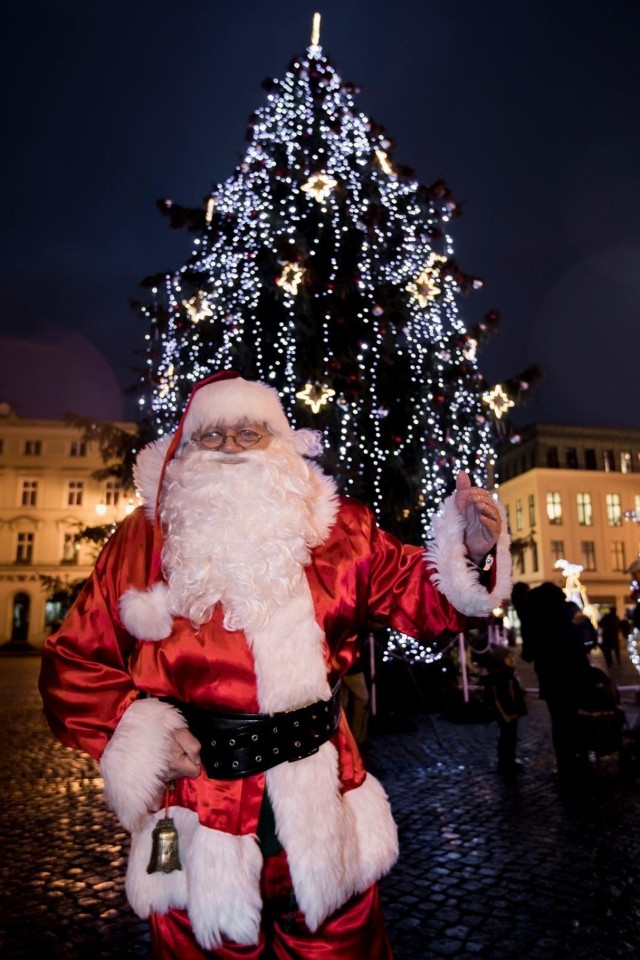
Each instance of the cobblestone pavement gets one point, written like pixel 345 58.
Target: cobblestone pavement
pixel 489 868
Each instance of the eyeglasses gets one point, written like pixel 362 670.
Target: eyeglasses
pixel 214 439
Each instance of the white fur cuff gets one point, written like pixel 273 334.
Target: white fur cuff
pixel 455 575
pixel 145 614
pixel 134 763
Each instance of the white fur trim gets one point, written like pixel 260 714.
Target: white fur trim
pixel 376 833
pixel 219 883
pixel 455 575
pixel 226 401
pixel 134 762
pixel 147 470
pixel 145 614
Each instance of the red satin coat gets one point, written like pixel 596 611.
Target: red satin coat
pixel 93 669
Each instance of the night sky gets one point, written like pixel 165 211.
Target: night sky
pixel 529 111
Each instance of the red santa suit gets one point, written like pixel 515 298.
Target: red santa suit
pixel 122 648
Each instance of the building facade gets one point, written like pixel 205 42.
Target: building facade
pixel 573 494
pixel 47 495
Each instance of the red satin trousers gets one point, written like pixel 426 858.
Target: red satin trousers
pixel 354 932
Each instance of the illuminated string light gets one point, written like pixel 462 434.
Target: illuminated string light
pixel 198 308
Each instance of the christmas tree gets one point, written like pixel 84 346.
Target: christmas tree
pixel 323 267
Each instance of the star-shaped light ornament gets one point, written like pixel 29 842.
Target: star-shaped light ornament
pixel 425 288
pixel 291 277
pixel 319 186
pixel 198 307
pixel 498 401
pixel 315 395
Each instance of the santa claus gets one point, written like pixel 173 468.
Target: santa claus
pixel 201 667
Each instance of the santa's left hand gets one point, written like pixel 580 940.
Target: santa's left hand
pixel 481 517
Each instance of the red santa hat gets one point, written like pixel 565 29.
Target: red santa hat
pixel 221 401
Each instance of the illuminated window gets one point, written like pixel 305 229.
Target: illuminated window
pixel 617 556
pixel 609 461
pixel 637 507
pixel 33 448
pixel 557 550
pixel 585 513
pixel 554 507
pixel 588 549
pixel 532 510
pixel 29 493
pixel 614 510
pixel 111 493
pixel 625 462
pixel 24 548
pixel 78 448
pixel 519 515
pixel 70 549
pixel 75 493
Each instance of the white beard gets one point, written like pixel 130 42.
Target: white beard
pixel 238 529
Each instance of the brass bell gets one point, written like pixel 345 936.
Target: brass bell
pixel 165 856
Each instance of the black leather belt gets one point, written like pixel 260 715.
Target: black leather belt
pixel 235 745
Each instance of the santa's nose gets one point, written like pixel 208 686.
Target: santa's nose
pixel 230 444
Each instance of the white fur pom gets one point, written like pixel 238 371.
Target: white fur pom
pixel 136 758
pixel 308 443
pixel 455 575
pixel 145 614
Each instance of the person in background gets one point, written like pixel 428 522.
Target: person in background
pixel 555 646
pixel 610 637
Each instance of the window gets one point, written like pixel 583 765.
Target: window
pixel 609 461
pixel 532 510
pixel 70 549
pixel 24 548
pixel 111 493
pixel 507 510
pixel 617 556
pixel 585 512
pixel 571 458
pixel 33 448
pixel 76 489
pixel 625 462
pixel 29 493
pixel 614 510
pixel 637 506
pixel 557 550
pixel 552 457
pixel 518 562
pixel 518 514
pixel 588 549
pixel 78 448
pixel 554 508
pixel 590 460
pixel 1 446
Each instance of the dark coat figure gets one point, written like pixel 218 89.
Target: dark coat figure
pixel 506 698
pixel 610 637
pixel 553 642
